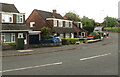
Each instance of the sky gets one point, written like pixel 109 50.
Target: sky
pixel 94 9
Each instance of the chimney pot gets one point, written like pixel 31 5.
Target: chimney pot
pixel 54 11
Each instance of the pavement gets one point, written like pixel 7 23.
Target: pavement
pixel 43 50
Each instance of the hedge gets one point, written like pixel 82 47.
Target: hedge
pixel 68 41
pixel 112 29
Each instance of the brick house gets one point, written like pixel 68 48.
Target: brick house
pixel 78 26
pixel 39 19
pixel 12 24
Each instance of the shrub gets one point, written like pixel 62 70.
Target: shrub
pixel 101 34
pixel 12 43
pixel 67 41
pixel 96 37
pixel 45 33
pixel 112 29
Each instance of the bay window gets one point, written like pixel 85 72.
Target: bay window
pixel 8 37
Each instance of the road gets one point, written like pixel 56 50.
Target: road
pixel 96 60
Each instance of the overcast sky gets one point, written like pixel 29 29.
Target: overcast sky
pixel 95 9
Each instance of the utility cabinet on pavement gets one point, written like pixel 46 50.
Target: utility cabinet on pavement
pixel 20 43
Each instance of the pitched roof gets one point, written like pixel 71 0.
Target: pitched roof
pixel 15 27
pixel 46 14
pixel 8 8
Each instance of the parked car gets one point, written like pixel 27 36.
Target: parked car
pixel 51 39
pixel 79 36
pixel 100 29
pixel 91 35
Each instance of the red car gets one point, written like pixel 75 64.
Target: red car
pixel 91 36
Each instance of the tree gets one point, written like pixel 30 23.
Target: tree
pixel 45 33
pixel 72 16
pixel 88 22
pixel 110 22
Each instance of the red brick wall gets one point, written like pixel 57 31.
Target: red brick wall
pixel 14 18
pixel 39 21
pixel 63 23
pixel 23 18
pixel 51 22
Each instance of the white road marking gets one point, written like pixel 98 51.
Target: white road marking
pixel 94 57
pixel 25 50
pixel 25 68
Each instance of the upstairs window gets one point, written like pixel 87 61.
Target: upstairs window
pixel 55 23
pixel 32 24
pixel 19 18
pixel 71 25
pixel 66 24
pixel 60 23
pixel 7 18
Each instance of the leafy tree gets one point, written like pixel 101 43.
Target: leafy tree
pixel 110 22
pixel 45 33
pixel 72 16
pixel 89 29
pixel 88 22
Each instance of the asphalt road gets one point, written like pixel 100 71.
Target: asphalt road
pixel 97 60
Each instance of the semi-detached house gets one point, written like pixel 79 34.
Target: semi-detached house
pixel 39 19
pixel 12 24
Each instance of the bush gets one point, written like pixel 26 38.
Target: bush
pixel 45 33
pixel 12 43
pixel 101 34
pixel 67 41
pixel 112 29
pixel 96 37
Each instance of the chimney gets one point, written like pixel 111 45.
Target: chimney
pixel 54 12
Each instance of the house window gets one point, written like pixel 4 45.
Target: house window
pixel 61 36
pixel 71 25
pixel 83 34
pixel 13 37
pixel 66 24
pixel 32 24
pixel 20 35
pixel 3 37
pixel 67 35
pixel 60 23
pixel 8 37
pixel 7 18
pixel 19 18
pixel 55 23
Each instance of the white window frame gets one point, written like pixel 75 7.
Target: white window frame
pixel 20 35
pixel 12 37
pixel 32 24
pixel 82 33
pixel 6 17
pixel 71 25
pixel 66 24
pixel 19 18
pixel 55 23
pixel 67 35
pixel 3 36
pixel 60 23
